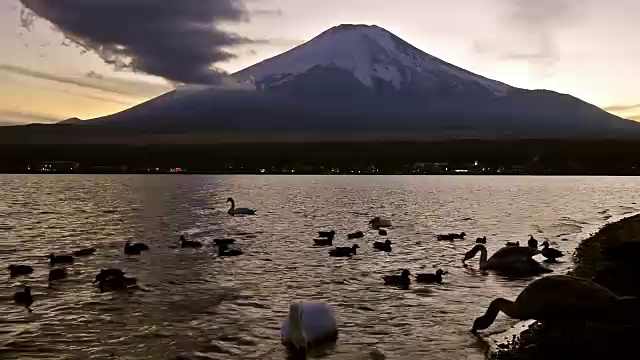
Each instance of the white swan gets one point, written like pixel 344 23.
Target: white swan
pixel 239 211
pixel 377 222
pixel 309 324
pixel 509 260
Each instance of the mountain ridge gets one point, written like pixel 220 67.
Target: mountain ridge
pixel 363 78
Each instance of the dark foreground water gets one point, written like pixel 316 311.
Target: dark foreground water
pixel 194 305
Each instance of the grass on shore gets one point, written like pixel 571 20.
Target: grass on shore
pixel 610 258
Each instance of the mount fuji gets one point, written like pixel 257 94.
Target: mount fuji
pixel 362 79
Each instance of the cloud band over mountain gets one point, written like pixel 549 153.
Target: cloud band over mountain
pixel 177 40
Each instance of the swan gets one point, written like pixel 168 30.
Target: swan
pixel 549 253
pixel 309 324
pixel 556 298
pixel 239 211
pixel 378 222
pixel 512 260
pixel 481 240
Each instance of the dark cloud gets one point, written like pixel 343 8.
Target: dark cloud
pixel 179 40
pixel 623 107
pixel 529 33
pixel 94 81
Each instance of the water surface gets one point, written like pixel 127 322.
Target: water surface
pixel 195 305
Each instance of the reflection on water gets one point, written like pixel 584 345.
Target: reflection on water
pixel 195 305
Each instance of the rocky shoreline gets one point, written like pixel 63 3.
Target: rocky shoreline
pixel 611 258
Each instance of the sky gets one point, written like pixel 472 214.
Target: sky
pixel 89 58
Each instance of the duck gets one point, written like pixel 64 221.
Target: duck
pixel 451 236
pixel 134 249
pixel 116 283
pixel 510 260
pixel 239 211
pixel 24 298
pixel 532 243
pixel 60 259
pixel 223 252
pixel 403 280
pixel 481 240
pixel 557 298
pixel 57 274
pixel 431 278
pixel 327 234
pixel 356 235
pixel 223 242
pixel 307 325
pixel 378 222
pixel 85 252
pixel 18 270
pixel 382 232
pixel 516 244
pixel 383 246
pixel 344 251
pixel 323 242
pixel 550 253
pixel 184 243
pixel 105 274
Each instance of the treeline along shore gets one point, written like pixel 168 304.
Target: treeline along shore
pixel 544 157
pixel 609 258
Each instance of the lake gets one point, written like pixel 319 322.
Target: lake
pixel 194 305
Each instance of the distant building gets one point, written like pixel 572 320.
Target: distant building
pixel 429 168
pixel 55 166
pixel 517 169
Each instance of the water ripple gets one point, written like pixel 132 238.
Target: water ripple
pixel 193 305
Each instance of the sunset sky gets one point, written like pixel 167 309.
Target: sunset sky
pixel 587 48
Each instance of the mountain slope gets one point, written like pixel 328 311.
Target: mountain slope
pixel 364 79
pixel 371 54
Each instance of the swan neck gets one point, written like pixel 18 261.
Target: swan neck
pixel 504 305
pixel 483 256
pixel 298 337
pixel 497 305
pixel 233 204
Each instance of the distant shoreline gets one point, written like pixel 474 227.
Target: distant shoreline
pixel 310 174
pixel 589 341
pixel 514 157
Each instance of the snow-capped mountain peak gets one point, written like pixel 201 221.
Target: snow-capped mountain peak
pixel 371 54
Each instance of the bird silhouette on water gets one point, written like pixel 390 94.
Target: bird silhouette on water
pixel 24 298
